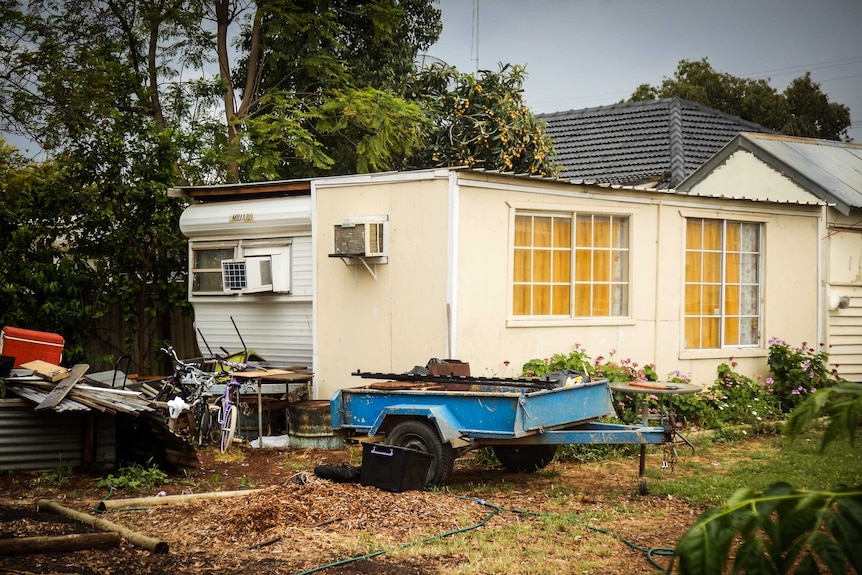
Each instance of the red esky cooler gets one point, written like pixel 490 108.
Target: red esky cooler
pixel 27 344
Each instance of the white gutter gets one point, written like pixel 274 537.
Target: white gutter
pixel 452 263
pixel 822 287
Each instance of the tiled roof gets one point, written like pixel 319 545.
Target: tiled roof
pixel 649 142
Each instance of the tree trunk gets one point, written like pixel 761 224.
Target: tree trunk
pixel 53 544
pixel 148 543
pixel 169 499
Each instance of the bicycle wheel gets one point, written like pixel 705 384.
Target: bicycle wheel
pixel 204 422
pixel 228 425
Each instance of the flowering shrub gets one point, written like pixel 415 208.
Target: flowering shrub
pixel 799 371
pixel 735 398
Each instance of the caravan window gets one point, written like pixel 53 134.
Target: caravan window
pixel 207 269
pixel 241 267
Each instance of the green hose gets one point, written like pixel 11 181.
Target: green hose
pixel 494 510
pixel 650 552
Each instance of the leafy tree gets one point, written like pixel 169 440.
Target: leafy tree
pixel 45 282
pixel 325 99
pixel 802 110
pixel 785 530
pixel 481 121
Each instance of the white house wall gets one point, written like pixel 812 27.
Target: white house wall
pixel 488 336
pixel 402 318
pixel 397 320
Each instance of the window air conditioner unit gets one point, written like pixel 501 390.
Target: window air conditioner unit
pixel 366 239
pixel 249 275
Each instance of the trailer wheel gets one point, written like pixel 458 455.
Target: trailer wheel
pixel 527 458
pixel 423 437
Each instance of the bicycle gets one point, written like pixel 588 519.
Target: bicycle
pixel 192 385
pixel 228 404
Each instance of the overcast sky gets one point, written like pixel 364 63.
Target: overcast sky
pixel 586 53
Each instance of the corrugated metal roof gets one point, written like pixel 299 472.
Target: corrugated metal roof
pixel 834 169
pixel 654 141
pixel 829 170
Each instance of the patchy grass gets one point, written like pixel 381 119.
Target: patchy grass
pixel 710 478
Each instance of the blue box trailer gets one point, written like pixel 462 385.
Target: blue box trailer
pixel 522 419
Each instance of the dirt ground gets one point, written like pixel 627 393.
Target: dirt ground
pixel 296 522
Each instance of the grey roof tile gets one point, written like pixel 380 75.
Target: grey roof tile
pixel 655 140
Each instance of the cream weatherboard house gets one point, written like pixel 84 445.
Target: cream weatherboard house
pixel 383 272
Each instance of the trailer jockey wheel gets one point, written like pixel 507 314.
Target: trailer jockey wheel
pixel 421 436
pixel 525 458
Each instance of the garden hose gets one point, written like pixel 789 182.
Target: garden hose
pixel 650 552
pixel 494 510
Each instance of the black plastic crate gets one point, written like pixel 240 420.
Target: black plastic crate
pixel 393 468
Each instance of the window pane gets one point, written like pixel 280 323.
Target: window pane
pixel 732 239
pixel 692 300
pixel 542 232
pixel 541 300
pixel 542 265
pixel 748 304
pixel 731 300
pixel 749 238
pixel 712 234
pixel 523 231
pixel 601 266
pixel 207 281
pixel 694 234
pixel 621 266
pixel 601 300
pixel 601 231
pixel 732 267
pixel 731 331
pixel 711 300
pixel 522 266
pixel 521 300
pixel 693 268
pixel 562 266
pixel 709 332
pixel 692 332
pixel 748 331
pixel 583 299
pixel 211 259
pixel 562 233
pixel 711 267
pixel 584 231
pixel 621 233
pixel 561 300
pixel 583 265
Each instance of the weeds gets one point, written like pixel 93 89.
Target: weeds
pixel 135 477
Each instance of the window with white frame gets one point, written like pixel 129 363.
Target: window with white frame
pixel 722 283
pixel 570 265
pixel 241 267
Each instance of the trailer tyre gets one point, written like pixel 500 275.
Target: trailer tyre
pixel 525 458
pixel 423 437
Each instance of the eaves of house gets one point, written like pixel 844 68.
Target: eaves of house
pixel 827 169
pixel 654 143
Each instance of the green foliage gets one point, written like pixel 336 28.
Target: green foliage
pixel 841 403
pixel 783 530
pixel 799 371
pixel 481 121
pixel 136 477
pixel 734 398
pixel 56 478
pixel 802 110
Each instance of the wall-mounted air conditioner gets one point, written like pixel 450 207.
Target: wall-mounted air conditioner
pixel 248 275
pixel 361 239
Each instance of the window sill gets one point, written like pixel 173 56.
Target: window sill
pixel 570 322
pixel 724 353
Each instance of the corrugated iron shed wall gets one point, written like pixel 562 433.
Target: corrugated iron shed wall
pixel 36 441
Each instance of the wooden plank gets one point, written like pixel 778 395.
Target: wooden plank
pixel 63 387
pixel 46 370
